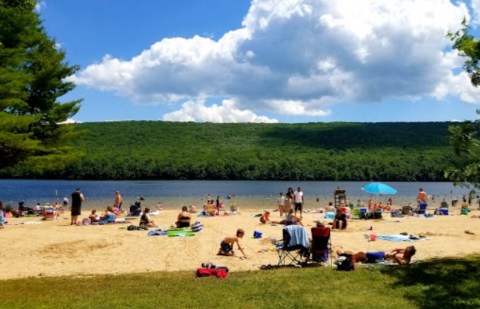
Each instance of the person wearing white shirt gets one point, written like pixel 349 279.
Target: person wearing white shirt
pixel 299 201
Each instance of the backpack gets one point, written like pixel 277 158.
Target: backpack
pixel 345 262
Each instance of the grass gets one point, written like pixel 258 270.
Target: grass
pixel 445 283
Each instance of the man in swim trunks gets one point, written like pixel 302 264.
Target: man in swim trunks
pixel 226 246
pixel 422 196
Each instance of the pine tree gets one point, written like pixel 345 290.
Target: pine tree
pixel 32 79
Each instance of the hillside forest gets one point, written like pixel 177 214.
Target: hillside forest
pixel 406 151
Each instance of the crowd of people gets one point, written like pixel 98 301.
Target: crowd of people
pixel 289 204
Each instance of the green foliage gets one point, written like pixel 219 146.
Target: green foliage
pixel 313 151
pixel 440 283
pixel 468 47
pixel 465 138
pixel 32 78
pixel 466 145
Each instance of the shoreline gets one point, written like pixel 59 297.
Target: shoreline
pixel 254 202
pixel 39 248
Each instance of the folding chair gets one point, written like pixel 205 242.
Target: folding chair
pixel 48 213
pixel 295 245
pixel 355 213
pixel 321 245
pixel 422 208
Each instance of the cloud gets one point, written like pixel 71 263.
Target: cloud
pixel 475 6
pixel 299 57
pixel 40 5
pixel 226 112
pixel 69 121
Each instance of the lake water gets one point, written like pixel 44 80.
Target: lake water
pixel 174 193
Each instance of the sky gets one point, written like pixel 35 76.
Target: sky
pixel 268 61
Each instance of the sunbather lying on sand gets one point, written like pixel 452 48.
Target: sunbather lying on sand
pixel 400 256
pixel 289 219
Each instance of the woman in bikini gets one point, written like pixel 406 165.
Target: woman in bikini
pixel 183 219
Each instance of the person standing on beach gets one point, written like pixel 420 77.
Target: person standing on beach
pixel 65 202
pixel 422 196
pixel 281 204
pixel 288 200
pixel 118 201
pixel 77 199
pixel 2 216
pixel 298 197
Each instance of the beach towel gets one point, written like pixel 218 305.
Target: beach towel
pixel 298 236
pixel 180 232
pixel 157 233
pixel 400 238
pixel 197 227
pixel 218 272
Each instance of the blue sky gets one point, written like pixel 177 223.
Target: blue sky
pixel 264 61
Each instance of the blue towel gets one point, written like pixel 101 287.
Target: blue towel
pixel 298 236
pixel 399 238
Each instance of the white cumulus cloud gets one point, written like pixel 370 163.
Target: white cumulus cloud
pixel 226 112
pixel 298 57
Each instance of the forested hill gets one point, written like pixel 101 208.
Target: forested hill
pixel 312 151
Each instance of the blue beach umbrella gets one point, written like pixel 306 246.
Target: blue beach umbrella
pixel 379 188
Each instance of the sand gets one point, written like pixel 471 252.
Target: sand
pixel 39 248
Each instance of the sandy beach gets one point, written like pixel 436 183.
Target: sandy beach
pixel 36 248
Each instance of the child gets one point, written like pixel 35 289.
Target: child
pixel 145 219
pixel 265 217
pixel 226 246
pixel 93 216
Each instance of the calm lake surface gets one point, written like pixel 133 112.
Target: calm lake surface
pixel 174 193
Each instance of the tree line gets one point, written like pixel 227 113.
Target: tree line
pixel 311 151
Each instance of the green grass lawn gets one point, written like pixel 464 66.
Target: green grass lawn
pixel 445 283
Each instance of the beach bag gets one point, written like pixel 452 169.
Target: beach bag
pixel 197 227
pixel 217 272
pixel 345 262
pixel 86 221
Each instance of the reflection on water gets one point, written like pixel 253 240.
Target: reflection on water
pixel 175 193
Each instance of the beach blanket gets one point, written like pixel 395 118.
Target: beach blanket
pixel 20 223
pixel 180 232
pixel 400 238
pixel 298 236
pixel 218 272
pixel 157 233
